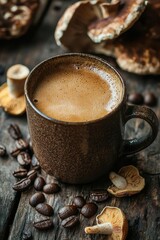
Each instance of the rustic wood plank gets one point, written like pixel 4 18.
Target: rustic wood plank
pixel 142 210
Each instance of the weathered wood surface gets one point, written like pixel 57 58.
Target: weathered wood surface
pixel 142 210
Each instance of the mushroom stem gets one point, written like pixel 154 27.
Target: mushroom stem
pixel 16 77
pixel 119 181
pixel 103 228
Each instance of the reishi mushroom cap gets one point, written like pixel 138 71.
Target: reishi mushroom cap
pixel 118 220
pixel 88 22
pixel 135 183
pixel 121 18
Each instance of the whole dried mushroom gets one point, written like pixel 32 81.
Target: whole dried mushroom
pixel 135 183
pixel 12 93
pixel 96 20
pixel 111 222
pixel 16 16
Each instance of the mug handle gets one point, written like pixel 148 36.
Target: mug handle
pixel 136 145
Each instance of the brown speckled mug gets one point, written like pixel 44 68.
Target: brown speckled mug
pixel 80 152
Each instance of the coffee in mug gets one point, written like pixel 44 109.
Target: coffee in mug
pixel 77 91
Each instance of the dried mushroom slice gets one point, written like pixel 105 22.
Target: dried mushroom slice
pixel 16 17
pixel 135 183
pixel 11 105
pixel 71 30
pixel 112 222
pixel 122 17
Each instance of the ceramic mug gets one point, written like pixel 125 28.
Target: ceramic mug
pixel 80 152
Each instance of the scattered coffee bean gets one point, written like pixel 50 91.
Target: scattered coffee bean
pixel 150 99
pixel 14 131
pixel 2 151
pixel 21 144
pixel 32 174
pixel 39 183
pixel 22 185
pixel 20 173
pixel 51 188
pixel 24 158
pixel 43 224
pixel 34 161
pixel 36 199
pixel 45 209
pixel 79 201
pixel 67 211
pixel 89 209
pixel 136 98
pixel 2 70
pixel 37 168
pixel 70 222
pixel 27 234
pixel 14 152
pixel 99 196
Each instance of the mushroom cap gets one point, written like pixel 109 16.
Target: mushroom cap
pixel 132 53
pixel 135 183
pixel 11 105
pixel 71 30
pixel 127 13
pixel 118 220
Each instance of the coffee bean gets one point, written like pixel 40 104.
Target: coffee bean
pixel 39 183
pixel 34 161
pixel 22 185
pixel 51 188
pixel 67 211
pixel 37 168
pixel 43 224
pixel 2 150
pixel 99 196
pixel 136 98
pixel 14 131
pixel 21 144
pixel 79 201
pixel 32 174
pixel 20 173
pixel 45 209
pixel 89 209
pixel 150 99
pixel 27 234
pixel 24 158
pixel 36 199
pixel 14 152
pixel 70 222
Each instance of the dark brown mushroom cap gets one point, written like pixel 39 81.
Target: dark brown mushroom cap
pixel 110 27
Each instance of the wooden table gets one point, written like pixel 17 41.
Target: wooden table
pixel 16 215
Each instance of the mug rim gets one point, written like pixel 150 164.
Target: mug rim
pixel 67 122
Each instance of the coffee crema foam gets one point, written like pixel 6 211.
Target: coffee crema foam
pixel 78 92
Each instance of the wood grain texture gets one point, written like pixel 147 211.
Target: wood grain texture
pixel 142 210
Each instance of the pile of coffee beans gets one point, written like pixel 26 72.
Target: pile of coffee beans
pixel 28 175
pixel 69 214
pixel 149 99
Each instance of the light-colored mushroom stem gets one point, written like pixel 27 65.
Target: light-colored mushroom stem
pixel 16 77
pixel 103 228
pixel 119 181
